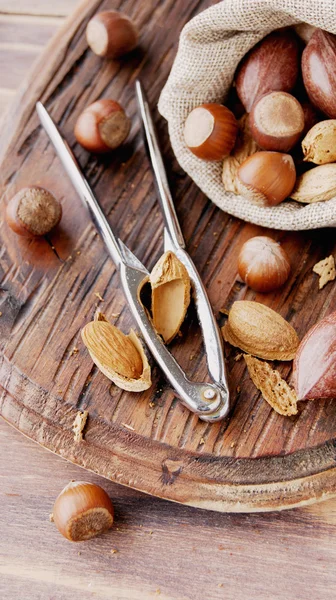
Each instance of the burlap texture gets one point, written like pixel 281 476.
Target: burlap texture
pixel 210 48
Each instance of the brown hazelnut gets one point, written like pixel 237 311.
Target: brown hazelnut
pixel 263 264
pixel 210 131
pixel 82 510
pixel 33 211
pixel 277 121
pixel 267 178
pixel 111 34
pixel 102 126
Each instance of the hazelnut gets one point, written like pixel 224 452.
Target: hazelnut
pixel 277 121
pixel 82 510
pixel 102 126
pixel 111 34
pixel 263 264
pixel 267 178
pixel 33 211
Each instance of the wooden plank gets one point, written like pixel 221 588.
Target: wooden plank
pixel 165 550
pixel 15 63
pixel 260 556
pixel 255 460
pixel 60 8
pixel 21 40
pixel 36 31
pixel 6 97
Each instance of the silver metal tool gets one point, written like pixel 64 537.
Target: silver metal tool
pixel 173 240
pixel 209 400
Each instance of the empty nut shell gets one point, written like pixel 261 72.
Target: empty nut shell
pixel 170 284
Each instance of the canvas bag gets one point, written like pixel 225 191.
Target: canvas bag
pixel 211 46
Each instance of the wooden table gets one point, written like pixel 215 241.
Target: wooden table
pixel 156 549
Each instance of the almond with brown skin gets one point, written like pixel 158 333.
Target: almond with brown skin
pixel 318 71
pixel 271 65
pixel 314 371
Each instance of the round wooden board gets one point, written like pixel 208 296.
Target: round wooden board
pixel 253 460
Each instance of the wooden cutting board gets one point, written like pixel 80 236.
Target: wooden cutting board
pixel 253 460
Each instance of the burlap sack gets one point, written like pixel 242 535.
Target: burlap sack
pixel 210 48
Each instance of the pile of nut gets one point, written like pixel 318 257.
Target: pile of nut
pixel 280 121
pixel 262 132
pixel 265 125
pixel 261 333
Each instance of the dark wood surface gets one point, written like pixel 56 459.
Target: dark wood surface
pixel 190 553
pixel 255 459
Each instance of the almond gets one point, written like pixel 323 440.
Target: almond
pixel 120 357
pixel 316 185
pixel 170 284
pixel 260 331
pixel 314 371
pixel 319 145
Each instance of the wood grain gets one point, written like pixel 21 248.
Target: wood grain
pixel 28 30
pixel 165 550
pixel 21 40
pixel 255 460
pixel 60 8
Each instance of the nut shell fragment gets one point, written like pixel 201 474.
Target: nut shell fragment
pixel 120 357
pixel 258 330
pixel 326 270
pixel 78 425
pixel 274 389
pixel 170 284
